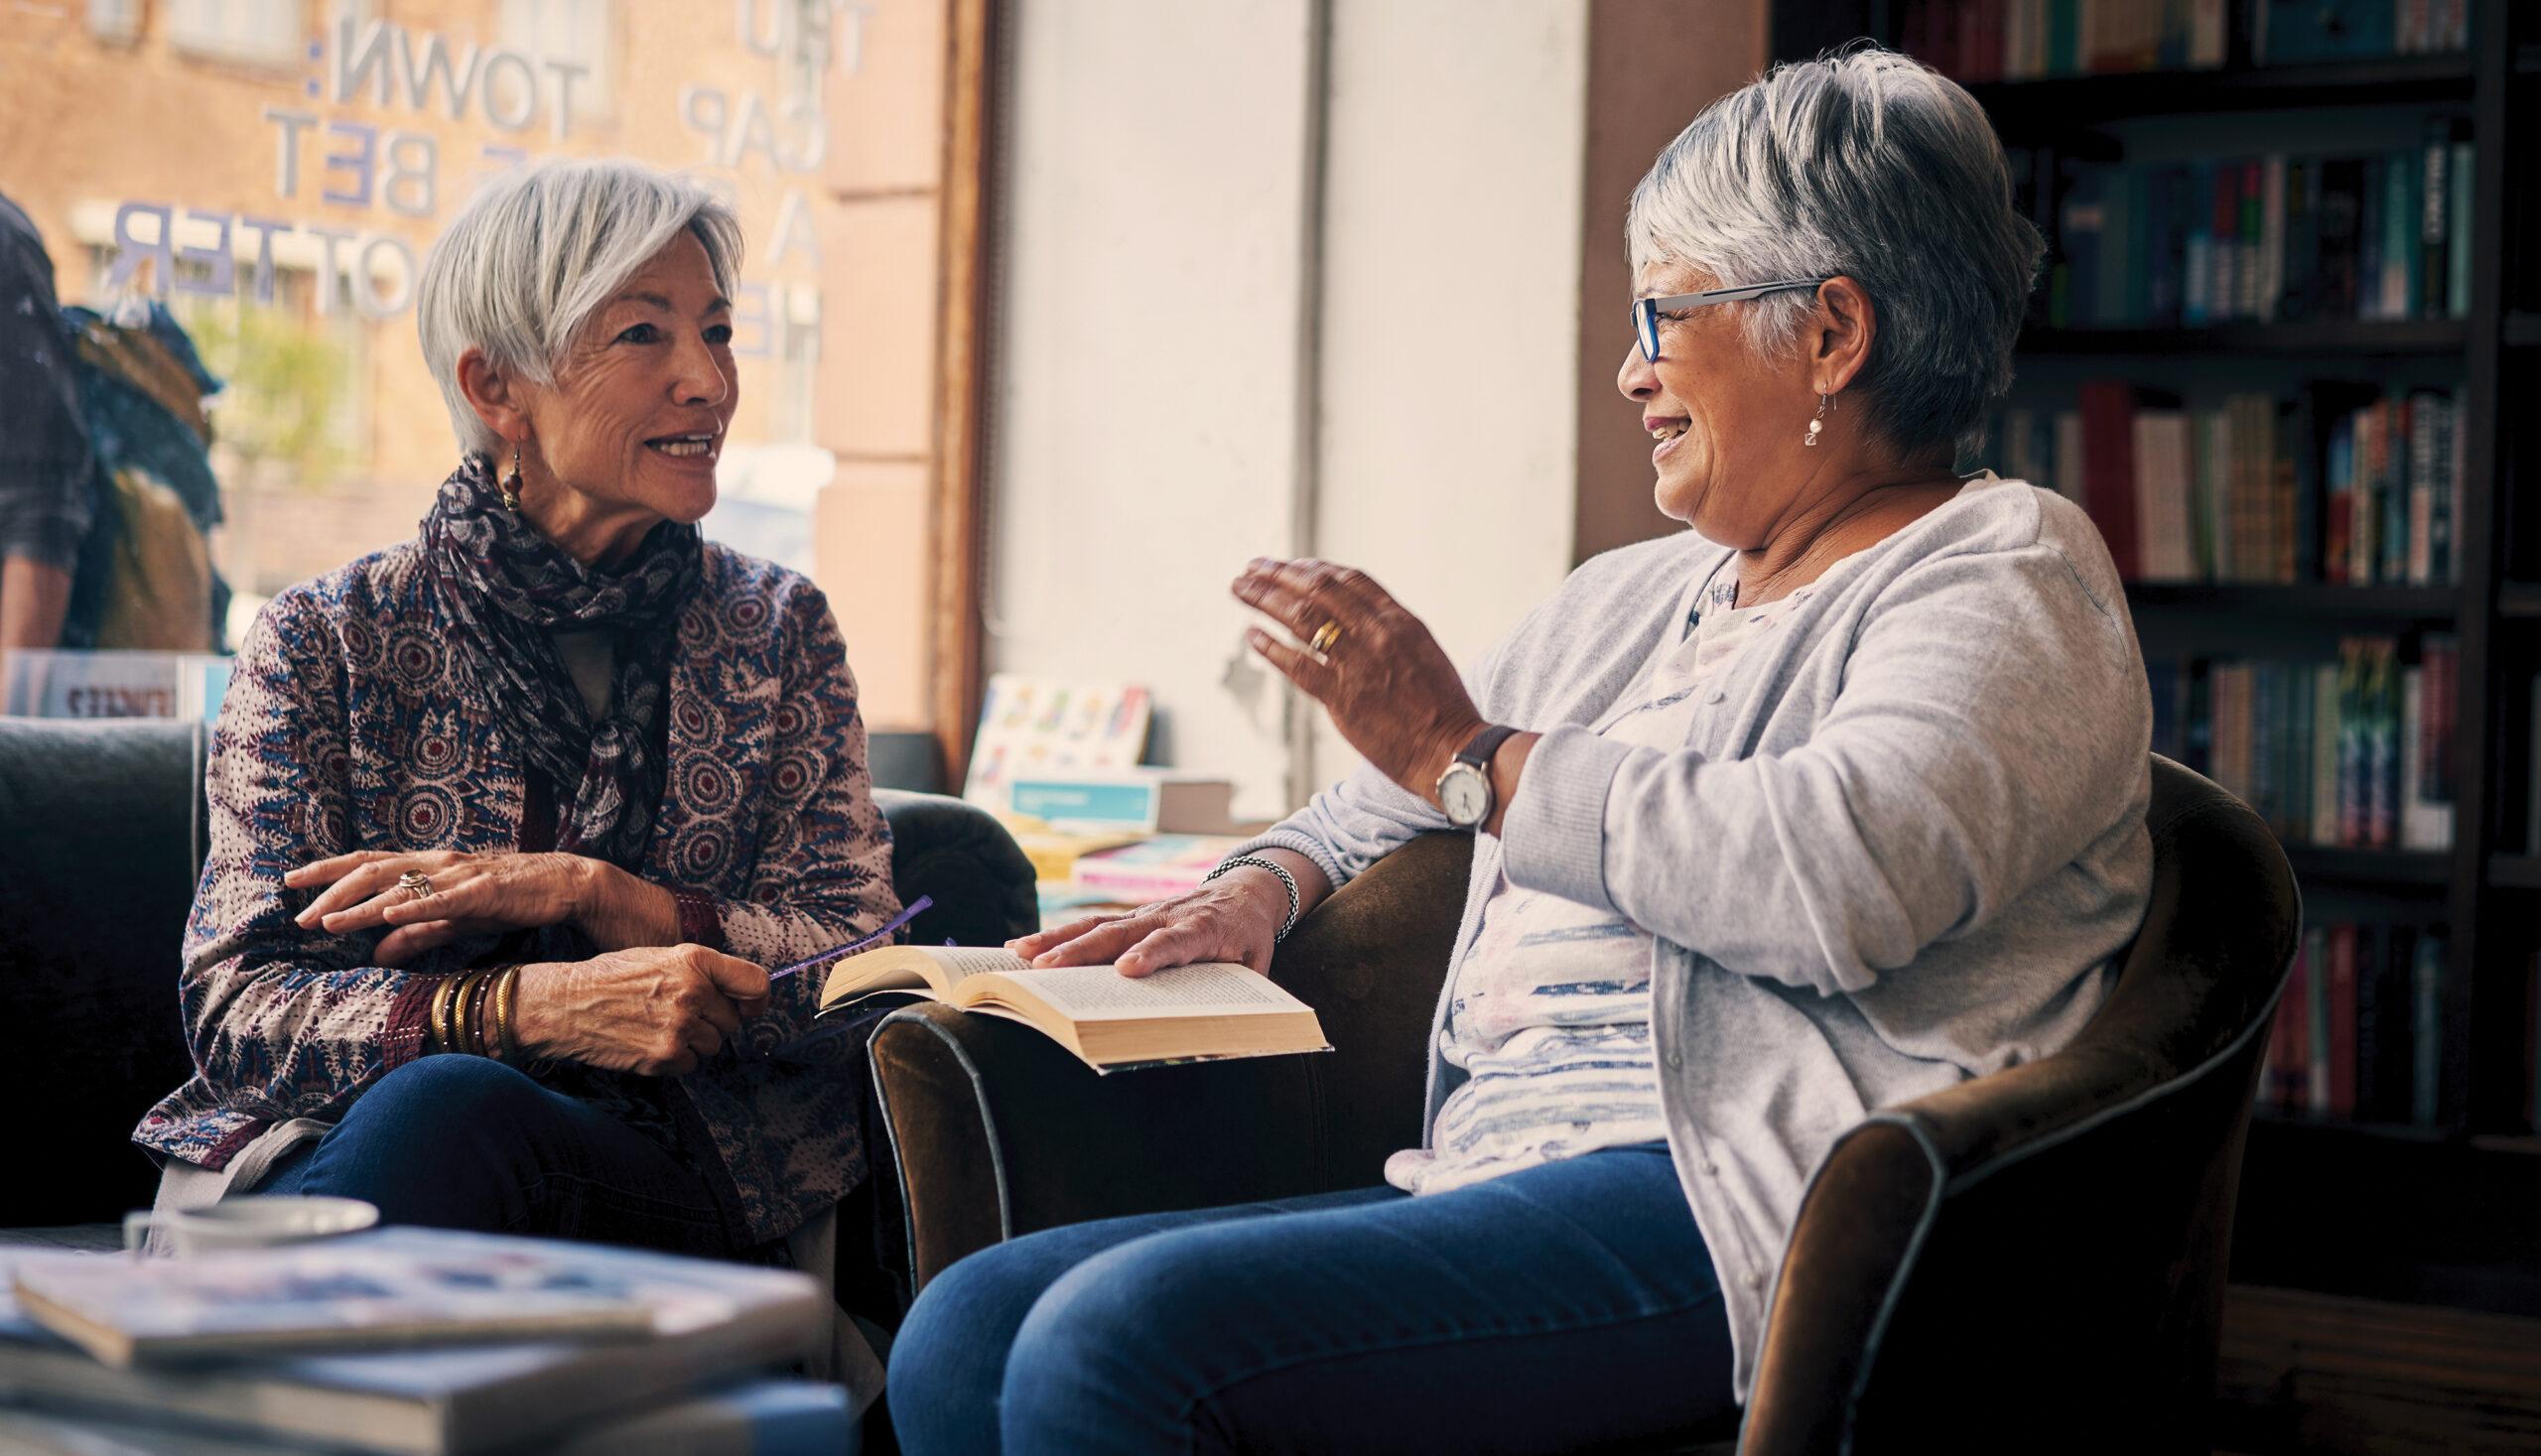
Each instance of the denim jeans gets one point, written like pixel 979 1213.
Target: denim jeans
pixel 463 1143
pixel 1553 1308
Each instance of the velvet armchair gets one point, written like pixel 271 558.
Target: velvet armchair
pixel 2032 1260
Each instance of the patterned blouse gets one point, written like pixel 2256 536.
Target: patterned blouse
pixel 343 730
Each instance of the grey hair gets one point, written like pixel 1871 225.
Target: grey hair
pixel 1866 164
pixel 536 252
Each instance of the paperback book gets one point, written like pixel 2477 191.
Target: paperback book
pixel 1111 1021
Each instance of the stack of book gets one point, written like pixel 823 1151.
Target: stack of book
pixel 2340 485
pixel 2030 40
pixel 2351 754
pixel 424 1341
pixel 2359 1035
pixel 2273 239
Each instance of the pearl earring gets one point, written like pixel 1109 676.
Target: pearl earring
pixel 1818 421
pixel 511 483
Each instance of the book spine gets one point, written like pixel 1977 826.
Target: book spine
pixel 2316 1051
pixel 2400 243
pixel 2342 1029
pixel 2434 220
pixel 2248 233
pixel 2368 240
pixel 2394 496
pixel 2325 754
pixel 2108 471
pixel 2350 795
pixel 2338 509
pixel 2456 292
pixel 2382 745
pixel 2421 490
pixel 2412 756
pixel 2427 1026
pixel 2271 265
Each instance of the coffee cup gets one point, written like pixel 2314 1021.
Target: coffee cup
pixel 254 1221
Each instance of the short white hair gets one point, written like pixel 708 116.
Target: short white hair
pixel 1870 165
pixel 535 253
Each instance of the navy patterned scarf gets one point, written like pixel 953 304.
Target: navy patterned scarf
pixel 508 590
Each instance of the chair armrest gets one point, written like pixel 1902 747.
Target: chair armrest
pixel 997 1131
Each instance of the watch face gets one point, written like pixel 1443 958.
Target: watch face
pixel 1465 794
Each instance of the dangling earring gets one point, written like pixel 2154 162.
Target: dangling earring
pixel 1818 421
pixel 511 483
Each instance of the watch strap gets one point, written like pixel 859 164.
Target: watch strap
pixel 1478 749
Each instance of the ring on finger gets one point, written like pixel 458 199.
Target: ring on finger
pixel 416 883
pixel 1323 638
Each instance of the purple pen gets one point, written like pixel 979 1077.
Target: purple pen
pixel 889 928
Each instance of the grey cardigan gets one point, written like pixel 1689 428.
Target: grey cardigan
pixel 1901 847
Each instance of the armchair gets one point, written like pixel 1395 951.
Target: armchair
pixel 2042 1250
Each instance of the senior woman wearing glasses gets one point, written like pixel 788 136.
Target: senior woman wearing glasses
pixel 508 821
pixel 1832 801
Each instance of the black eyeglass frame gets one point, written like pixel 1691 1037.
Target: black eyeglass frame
pixel 1646 313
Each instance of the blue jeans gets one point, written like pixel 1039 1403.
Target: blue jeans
pixel 1558 1307
pixel 463 1143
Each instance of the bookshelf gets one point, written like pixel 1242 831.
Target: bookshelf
pixel 2434 1211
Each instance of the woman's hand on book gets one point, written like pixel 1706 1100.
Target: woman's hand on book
pixel 1236 918
pixel 654 1010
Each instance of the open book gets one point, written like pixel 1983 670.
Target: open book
pixel 1111 1021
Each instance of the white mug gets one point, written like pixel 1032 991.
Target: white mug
pixel 257 1220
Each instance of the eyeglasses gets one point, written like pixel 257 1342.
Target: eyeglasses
pixel 1646 313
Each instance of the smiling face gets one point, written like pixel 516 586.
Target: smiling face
pixel 636 421
pixel 1726 425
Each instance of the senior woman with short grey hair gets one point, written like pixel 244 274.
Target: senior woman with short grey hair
pixel 508 821
pixel 1829 802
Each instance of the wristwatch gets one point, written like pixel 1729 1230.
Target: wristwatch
pixel 1464 790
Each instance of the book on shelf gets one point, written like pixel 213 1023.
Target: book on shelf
pixel 711 1320
pixel 1202 1013
pixel 2341 485
pixel 765 1416
pixel 2356 753
pixel 1979 41
pixel 2360 1034
pixel 2294 31
pixel 2279 237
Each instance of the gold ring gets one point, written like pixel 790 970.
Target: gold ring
pixel 415 882
pixel 1324 637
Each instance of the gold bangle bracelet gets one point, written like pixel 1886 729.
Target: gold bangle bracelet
pixel 506 996
pixel 467 990
pixel 437 1020
pixel 476 1014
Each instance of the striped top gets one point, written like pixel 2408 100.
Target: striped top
pixel 1550 1021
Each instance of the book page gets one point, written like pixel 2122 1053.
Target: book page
pixel 956 964
pixel 1100 992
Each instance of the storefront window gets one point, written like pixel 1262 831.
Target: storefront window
pixel 274 170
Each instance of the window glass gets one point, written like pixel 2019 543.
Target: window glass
pixel 275 170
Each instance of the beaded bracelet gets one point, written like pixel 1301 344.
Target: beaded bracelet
pixel 1274 867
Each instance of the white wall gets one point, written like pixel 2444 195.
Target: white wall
pixel 1144 420
pixel 1451 311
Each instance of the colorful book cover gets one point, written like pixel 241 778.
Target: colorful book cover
pixel 1153 869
